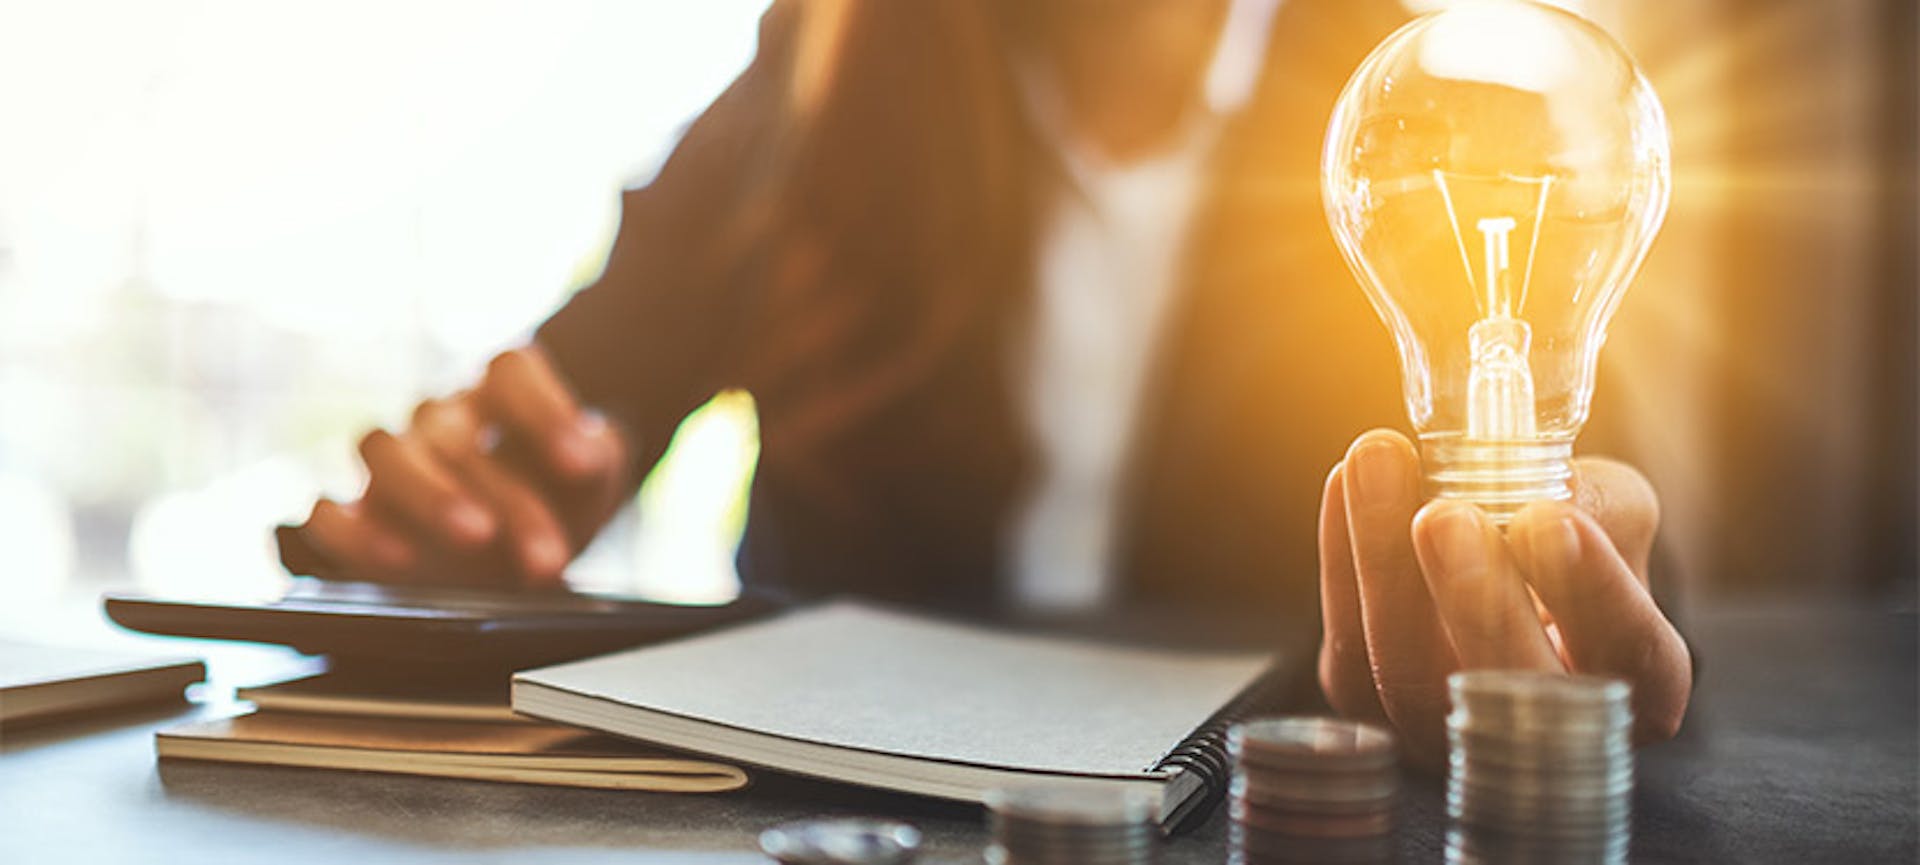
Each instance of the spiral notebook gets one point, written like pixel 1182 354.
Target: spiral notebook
pixel 882 698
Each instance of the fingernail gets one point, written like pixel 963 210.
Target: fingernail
pixel 576 452
pixel 1553 546
pixel 1460 542
pixel 592 424
pixel 1380 471
pixel 545 556
pixel 470 522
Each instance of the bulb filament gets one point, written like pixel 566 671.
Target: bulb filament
pixel 1500 385
pixel 1499 295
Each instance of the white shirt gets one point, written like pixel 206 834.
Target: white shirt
pixel 1108 262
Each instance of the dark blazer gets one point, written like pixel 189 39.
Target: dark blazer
pixel 1271 361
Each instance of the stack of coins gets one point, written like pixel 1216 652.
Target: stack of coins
pixel 1080 824
pixel 1541 768
pixel 851 841
pixel 1311 790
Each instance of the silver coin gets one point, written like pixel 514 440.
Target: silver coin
pixel 1534 802
pixel 1315 825
pixel 1067 831
pixel 1497 839
pixel 1030 828
pixel 1265 805
pixel 1015 854
pixel 1467 748
pixel 1531 771
pixel 1477 845
pixel 1496 779
pixel 1478 777
pixel 1565 698
pixel 1037 841
pixel 1507 686
pixel 1078 804
pixel 1042 825
pixel 1540 768
pixel 1250 845
pixel 1565 748
pixel 1545 730
pixel 1293 787
pixel 841 842
pixel 1311 744
pixel 1490 841
pixel 1570 742
pixel 1078 842
pixel 1554 824
pixel 1052 825
pixel 1317 806
pixel 997 854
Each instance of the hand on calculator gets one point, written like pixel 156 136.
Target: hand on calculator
pixel 499 484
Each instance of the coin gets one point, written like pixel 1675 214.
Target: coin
pixel 1319 806
pixel 1311 790
pixel 1469 845
pixel 1254 847
pixel 1113 804
pixel 1311 745
pixel 1083 824
pixel 1540 768
pixel 1516 686
pixel 1314 825
pixel 1280 788
pixel 841 842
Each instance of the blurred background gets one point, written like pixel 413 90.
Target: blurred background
pixel 234 235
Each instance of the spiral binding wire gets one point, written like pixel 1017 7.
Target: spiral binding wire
pixel 1204 751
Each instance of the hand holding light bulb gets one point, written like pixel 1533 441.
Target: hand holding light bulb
pixel 1494 173
pixel 1412 590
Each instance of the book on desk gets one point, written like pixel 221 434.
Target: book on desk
pixel 872 696
pixel 40 684
pixel 844 691
pixel 521 753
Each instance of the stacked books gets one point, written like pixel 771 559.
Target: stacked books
pixel 458 730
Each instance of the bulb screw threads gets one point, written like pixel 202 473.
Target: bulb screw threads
pixel 1499 475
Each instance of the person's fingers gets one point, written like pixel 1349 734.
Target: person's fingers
pixel 1623 503
pixel 348 537
pixel 1410 655
pixel 600 494
pixel 452 427
pixel 456 429
pixel 406 479
pixel 533 533
pixel 1346 677
pixel 524 393
pixel 1483 601
pixel 1607 618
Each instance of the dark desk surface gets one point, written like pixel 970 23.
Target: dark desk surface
pixel 1801 748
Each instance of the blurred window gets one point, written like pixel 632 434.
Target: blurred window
pixel 234 234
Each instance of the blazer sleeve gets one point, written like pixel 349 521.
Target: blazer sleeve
pixel 649 340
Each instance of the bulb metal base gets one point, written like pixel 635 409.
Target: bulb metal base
pixel 1500 475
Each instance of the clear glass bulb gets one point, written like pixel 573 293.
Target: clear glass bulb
pixel 1494 173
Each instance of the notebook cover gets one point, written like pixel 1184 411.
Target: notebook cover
pixel 864 678
pixel 526 752
pixel 40 682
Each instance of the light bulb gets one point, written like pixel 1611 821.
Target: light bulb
pixel 1494 173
